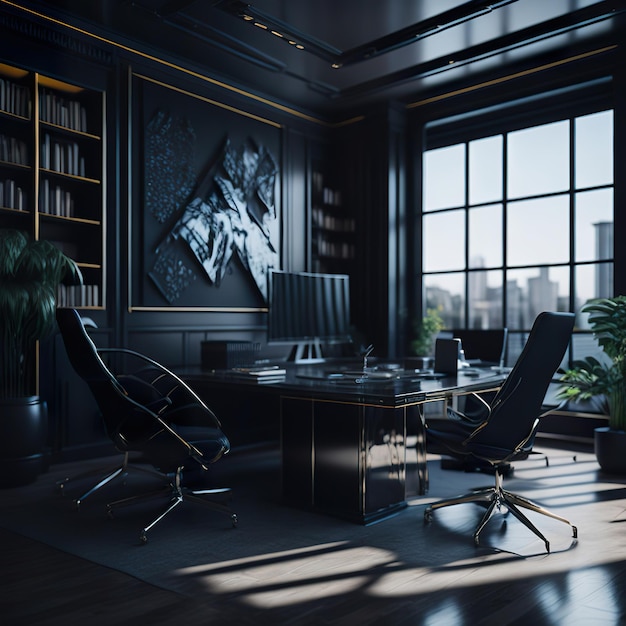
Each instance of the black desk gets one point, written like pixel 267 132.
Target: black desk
pixel 352 449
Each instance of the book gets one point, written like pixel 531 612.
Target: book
pixel 269 371
pixel 260 375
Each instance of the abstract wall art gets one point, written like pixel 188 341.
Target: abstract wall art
pixel 230 215
pixel 206 218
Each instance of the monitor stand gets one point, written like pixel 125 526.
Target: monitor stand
pixel 307 353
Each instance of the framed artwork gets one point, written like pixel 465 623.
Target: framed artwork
pixel 204 225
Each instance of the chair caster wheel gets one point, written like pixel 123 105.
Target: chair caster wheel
pixel 428 516
pixel 234 520
pixel 77 505
pixel 110 514
pixel 143 538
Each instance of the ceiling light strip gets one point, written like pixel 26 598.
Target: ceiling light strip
pixel 420 30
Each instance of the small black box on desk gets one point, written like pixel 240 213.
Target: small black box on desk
pixel 220 355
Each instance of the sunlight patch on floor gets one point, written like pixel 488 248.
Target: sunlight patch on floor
pixel 284 578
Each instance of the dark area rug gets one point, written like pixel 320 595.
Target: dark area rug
pixel 281 557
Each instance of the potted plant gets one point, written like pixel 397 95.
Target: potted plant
pixel 425 331
pixel 30 273
pixel 590 377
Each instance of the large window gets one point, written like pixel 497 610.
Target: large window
pixel 519 222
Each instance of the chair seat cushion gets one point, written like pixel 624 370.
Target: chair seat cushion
pixel 449 437
pixel 162 451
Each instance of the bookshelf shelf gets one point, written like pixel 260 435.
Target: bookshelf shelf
pixel 52 171
pixel 332 228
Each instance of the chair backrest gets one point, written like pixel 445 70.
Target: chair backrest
pixel 114 404
pixel 488 345
pixel 518 403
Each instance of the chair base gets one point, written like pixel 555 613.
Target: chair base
pixel 116 472
pixel 496 497
pixel 177 493
pixel 473 465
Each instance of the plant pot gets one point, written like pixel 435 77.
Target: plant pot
pixel 610 448
pixel 23 432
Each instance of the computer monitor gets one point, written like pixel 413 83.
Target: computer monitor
pixel 486 347
pixel 307 309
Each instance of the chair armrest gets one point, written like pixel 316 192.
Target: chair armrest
pixel 164 372
pixel 144 410
pixel 464 417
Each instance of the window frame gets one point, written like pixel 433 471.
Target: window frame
pixel 563 104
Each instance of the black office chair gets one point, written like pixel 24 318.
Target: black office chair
pixel 153 412
pixel 507 434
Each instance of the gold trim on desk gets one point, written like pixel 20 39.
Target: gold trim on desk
pixel 370 404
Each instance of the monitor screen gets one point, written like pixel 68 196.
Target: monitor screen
pixel 304 307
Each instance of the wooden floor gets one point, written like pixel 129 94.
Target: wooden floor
pixel 40 584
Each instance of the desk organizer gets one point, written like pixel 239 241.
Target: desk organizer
pixel 218 355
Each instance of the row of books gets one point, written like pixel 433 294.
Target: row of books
pixel 332 222
pixel 61 157
pixel 54 200
pixel 13 150
pixel 14 98
pixel 78 295
pixel 55 109
pixel 11 195
pixel 260 375
pixel 334 249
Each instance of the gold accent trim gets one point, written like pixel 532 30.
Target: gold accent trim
pixel 80 133
pixel 356 403
pixel 504 79
pixel 129 188
pixel 91 266
pixel 352 120
pixel 175 66
pixel 77 220
pixel 199 309
pixel 36 155
pixel 59 85
pixel 12 72
pixel 178 309
pixel 258 118
pixel 94 181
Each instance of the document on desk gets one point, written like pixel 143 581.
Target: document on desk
pixel 260 375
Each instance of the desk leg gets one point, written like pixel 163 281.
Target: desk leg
pixel 416 430
pixel 422 456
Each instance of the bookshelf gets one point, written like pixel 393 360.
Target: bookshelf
pixel 332 228
pixel 52 155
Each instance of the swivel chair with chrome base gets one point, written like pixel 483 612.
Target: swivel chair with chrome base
pixel 154 413
pixel 508 431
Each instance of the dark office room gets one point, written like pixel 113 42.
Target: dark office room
pixel 311 312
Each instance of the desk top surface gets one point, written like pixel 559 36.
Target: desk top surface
pixel 382 384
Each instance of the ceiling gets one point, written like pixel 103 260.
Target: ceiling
pixel 329 55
